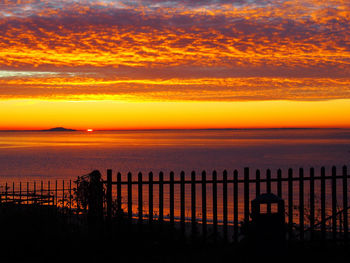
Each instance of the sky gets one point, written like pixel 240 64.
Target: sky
pixel 174 64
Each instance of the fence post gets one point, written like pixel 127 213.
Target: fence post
pixel 20 193
pixel 235 206
pixel 345 203
pixel 257 183
pixel 130 197
pixel 246 196
pixel 323 203
pixel 204 204
pixel 224 199
pixel 334 202
pixel 161 197
pixel 119 193
pixel 95 202
pixel 215 205
pixel 6 192
pixel 312 202
pixel 290 203
pixel 150 198
pixel 301 203
pixel 182 201
pixel 109 197
pixel 140 200
pixel 279 183
pixel 268 188
pixel 171 198
pixel 193 201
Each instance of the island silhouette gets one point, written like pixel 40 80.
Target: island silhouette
pixel 59 129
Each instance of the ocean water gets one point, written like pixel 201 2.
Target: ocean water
pixel 58 157
pixel 66 155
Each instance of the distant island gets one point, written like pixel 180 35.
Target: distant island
pixel 58 129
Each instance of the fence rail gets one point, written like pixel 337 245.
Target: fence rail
pixel 317 205
pixel 210 204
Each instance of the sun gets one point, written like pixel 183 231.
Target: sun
pixel 89 130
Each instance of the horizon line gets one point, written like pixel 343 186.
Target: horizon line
pixel 175 129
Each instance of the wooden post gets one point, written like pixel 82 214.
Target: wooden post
pixel 27 193
pixel 109 196
pixel 119 193
pixel 334 202
pixel 290 203
pixel 224 199
pixel 323 203
pixel 279 183
pixel 161 197
pixel 20 192
pixel 41 190
pixel 70 196
pixel 215 205
pixel 193 201
pixel 34 193
pixel 246 196
pixel 182 201
pixel 63 199
pixel 301 203
pixel 150 198
pixel 312 202
pixel 204 204
pixel 6 192
pixel 268 188
pixel 130 197
pixel 95 202
pixel 48 190
pixel 268 181
pixel 257 183
pixel 171 198
pixel 56 192
pixel 345 204
pixel 140 200
pixel 235 206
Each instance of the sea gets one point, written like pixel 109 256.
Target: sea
pixel 54 160
pixel 39 155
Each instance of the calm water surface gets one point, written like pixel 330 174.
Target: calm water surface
pixel 45 155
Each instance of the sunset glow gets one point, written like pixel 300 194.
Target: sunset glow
pixel 174 64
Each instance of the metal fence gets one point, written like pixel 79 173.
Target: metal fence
pixel 215 204
pixel 219 204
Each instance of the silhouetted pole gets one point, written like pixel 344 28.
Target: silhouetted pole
pixel 95 202
pixel 290 203
pixel 193 202
pixel 323 203
pixel 345 203
pixel 246 196
pixel 334 202
pixel 224 199
pixel 312 202
pixel 215 205
pixel 130 197
pixel 161 197
pixel 204 204
pixel 109 197
pixel 150 198
pixel 182 201
pixel 235 206
pixel 171 198
pixel 301 203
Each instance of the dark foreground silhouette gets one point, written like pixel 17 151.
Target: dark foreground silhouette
pixel 39 230
pixel 43 234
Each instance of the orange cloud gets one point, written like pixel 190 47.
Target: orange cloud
pixel 176 50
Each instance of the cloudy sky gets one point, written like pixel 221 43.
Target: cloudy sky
pixel 284 54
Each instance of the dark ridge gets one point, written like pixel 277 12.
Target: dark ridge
pixel 58 129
